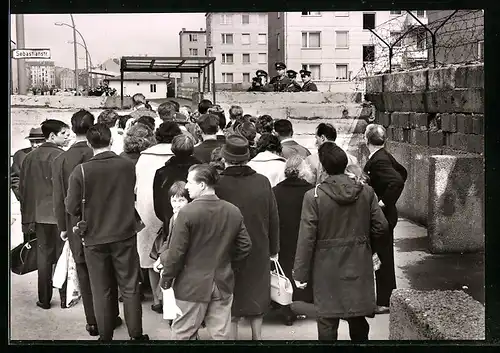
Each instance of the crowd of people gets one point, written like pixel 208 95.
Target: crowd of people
pixel 170 198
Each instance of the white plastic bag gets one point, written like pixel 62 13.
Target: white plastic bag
pixel 73 287
pixel 281 287
pixel 61 271
pixel 170 308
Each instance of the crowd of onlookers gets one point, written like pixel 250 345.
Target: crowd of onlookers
pixel 204 203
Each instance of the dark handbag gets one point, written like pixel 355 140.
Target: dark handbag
pixel 159 240
pixel 23 258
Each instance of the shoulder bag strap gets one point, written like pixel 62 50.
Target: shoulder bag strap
pixel 83 189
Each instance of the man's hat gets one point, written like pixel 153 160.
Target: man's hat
pixel 36 134
pixel 305 73
pixel 280 66
pixel 291 73
pixel 235 149
pixel 261 73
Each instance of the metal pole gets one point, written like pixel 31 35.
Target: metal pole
pixel 22 78
pixel 213 81
pixel 75 53
pixel 121 87
pixel 208 78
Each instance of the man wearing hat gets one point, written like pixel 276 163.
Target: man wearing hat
pixel 259 82
pixel 281 81
pixel 36 139
pixel 308 85
pixel 294 86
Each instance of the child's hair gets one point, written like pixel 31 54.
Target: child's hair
pixel 178 189
pixel 355 172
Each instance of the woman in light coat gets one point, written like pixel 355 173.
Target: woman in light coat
pixel 269 161
pixel 149 161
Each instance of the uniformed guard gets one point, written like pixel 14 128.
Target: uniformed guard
pixel 294 86
pixel 281 81
pixel 259 82
pixel 308 85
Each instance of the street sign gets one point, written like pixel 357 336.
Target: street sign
pixel 31 54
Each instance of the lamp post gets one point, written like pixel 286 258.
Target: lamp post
pixel 87 59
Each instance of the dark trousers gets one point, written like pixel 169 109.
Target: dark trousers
pixel 49 249
pixel 386 275
pixel 328 328
pixel 119 262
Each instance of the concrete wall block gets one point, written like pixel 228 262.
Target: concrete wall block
pixel 459 141
pixel 436 139
pixel 376 99
pixel 406 136
pixel 449 122
pixel 418 121
pixel 419 80
pixel 456 204
pixel 374 84
pixel 470 76
pixel 447 139
pixel 435 315
pixel 390 133
pixel 470 100
pixel 388 99
pixel 406 101
pixel 445 101
pixel 419 137
pixel 398 134
pixel 464 123
pixel 478 124
pixel 431 102
pixel 442 78
pixel 417 102
pixel 384 119
pixel 400 119
pixel 475 143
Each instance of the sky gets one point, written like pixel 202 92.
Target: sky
pixel 107 35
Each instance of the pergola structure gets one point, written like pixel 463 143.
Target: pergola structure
pixel 199 65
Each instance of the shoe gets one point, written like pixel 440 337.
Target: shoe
pixel 382 310
pixel 43 306
pixel 157 308
pixel 289 320
pixel 118 322
pixel 140 338
pixel 203 325
pixel 120 299
pixel 92 330
pixel 63 304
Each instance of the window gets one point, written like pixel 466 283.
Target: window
pixel 227 77
pixel 311 13
pixel 226 19
pixel 368 53
pixel 152 87
pixel 246 77
pixel 342 39
pixel 245 38
pixel 315 70
pixel 395 12
pixel 262 58
pixel 245 19
pixel 193 37
pixel 227 38
pixel 420 13
pixel 246 59
pixel 279 41
pixel 262 19
pixel 227 58
pixel 480 50
pixel 341 71
pixel 262 38
pixel 394 37
pixel 368 21
pixel 193 51
pixel 341 13
pixel 311 39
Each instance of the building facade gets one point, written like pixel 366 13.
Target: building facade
pixel 152 85
pixel 239 42
pixel 335 45
pixel 42 73
pixel 192 44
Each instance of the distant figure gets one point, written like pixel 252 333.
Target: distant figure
pixel 142 107
pixel 308 85
pixel 281 81
pixel 110 118
pixel 293 86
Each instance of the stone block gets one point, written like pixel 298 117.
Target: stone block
pixel 448 122
pixel 398 134
pixel 435 315
pixel 418 121
pixel 471 76
pixel 445 101
pixel 464 123
pixel 436 139
pixel 419 137
pixel 384 118
pixel 442 78
pixel 478 124
pixel 431 102
pixel 401 120
pixel 456 204
pixel 417 102
pixel 447 139
pixel 419 80
pixel 390 133
pixel 406 101
pixel 406 135
pixel 376 99
pixel 459 141
pixel 470 100
pixel 388 99
pixel 475 143
pixel 374 84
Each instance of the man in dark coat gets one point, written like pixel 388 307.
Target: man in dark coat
pixel 37 208
pixel 339 220
pixel 387 177
pixel 106 182
pixel 280 82
pixel 209 125
pixel 308 85
pixel 284 130
pixel 289 196
pixel 252 194
pixel 208 236
pixel 62 167
pixel 293 86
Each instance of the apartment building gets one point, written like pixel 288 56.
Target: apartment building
pixel 337 45
pixel 239 42
pixel 42 73
pixel 192 43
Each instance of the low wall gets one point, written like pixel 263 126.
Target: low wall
pixel 70 102
pixel 435 315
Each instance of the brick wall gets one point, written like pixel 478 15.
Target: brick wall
pixel 428 112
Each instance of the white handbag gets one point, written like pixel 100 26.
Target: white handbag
pixel 281 287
